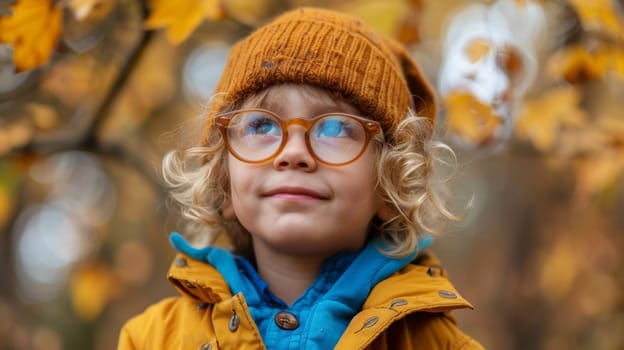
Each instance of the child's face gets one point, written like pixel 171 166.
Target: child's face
pixel 295 204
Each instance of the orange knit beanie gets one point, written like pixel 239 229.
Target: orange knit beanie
pixel 332 51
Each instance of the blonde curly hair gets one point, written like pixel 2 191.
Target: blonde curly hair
pixel 198 182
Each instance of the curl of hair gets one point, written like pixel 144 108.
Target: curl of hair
pixel 198 184
pixel 406 167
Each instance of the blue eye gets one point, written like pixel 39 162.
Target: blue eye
pixel 332 127
pixel 262 125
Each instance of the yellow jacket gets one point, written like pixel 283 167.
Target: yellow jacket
pixel 408 310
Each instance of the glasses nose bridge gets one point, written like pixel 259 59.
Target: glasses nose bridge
pixel 306 124
pixel 297 121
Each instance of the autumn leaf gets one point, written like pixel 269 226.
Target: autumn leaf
pixel 92 286
pixel 182 17
pixel 600 15
pixel 613 57
pixel 574 64
pixel 540 119
pixel 33 31
pixel 469 118
pixel 577 64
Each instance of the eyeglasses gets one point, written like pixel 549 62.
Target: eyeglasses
pixel 257 135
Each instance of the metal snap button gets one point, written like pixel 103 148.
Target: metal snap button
pixel 286 320
pixel 181 262
pixel 398 302
pixel 234 322
pixel 447 294
pixel 435 271
pixel 371 321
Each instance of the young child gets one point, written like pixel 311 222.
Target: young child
pixel 315 163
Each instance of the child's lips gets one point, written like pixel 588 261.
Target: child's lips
pixel 295 193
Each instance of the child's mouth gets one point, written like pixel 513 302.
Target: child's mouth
pixel 294 193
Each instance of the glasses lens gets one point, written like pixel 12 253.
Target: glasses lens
pixel 337 139
pixel 254 135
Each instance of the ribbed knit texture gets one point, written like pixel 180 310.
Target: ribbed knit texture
pixel 329 50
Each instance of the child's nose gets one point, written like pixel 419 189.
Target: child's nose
pixel 295 154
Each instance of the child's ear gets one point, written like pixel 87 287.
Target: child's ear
pixel 385 212
pixel 228 210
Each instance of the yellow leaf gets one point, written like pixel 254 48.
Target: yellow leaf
pixel 614 58
pixel 540 119
pixel 469 118
pixel 91 289
pixel 599 15
pixel 575 64
pixel 33 30
pixel 182 17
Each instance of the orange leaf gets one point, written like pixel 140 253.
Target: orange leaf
pixel 469 118
pixel 575 64
pixel 33 30
pixel 182 17
pixel 599 15
pixel 614 58
pixel 540 119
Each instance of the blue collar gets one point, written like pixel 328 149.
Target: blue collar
pixel 323 310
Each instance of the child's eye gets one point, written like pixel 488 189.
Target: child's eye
pixel 333 127
pixel 260 124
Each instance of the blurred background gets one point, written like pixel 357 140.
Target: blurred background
pixel 94 92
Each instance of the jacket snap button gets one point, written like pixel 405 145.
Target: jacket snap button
pixel 206 346
pixel 234 322
pixel 398 302
pixel 286 320
pixel 447 294
pixel 181 262
pixel 371 321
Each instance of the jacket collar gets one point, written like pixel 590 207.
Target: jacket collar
pixel 417 287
